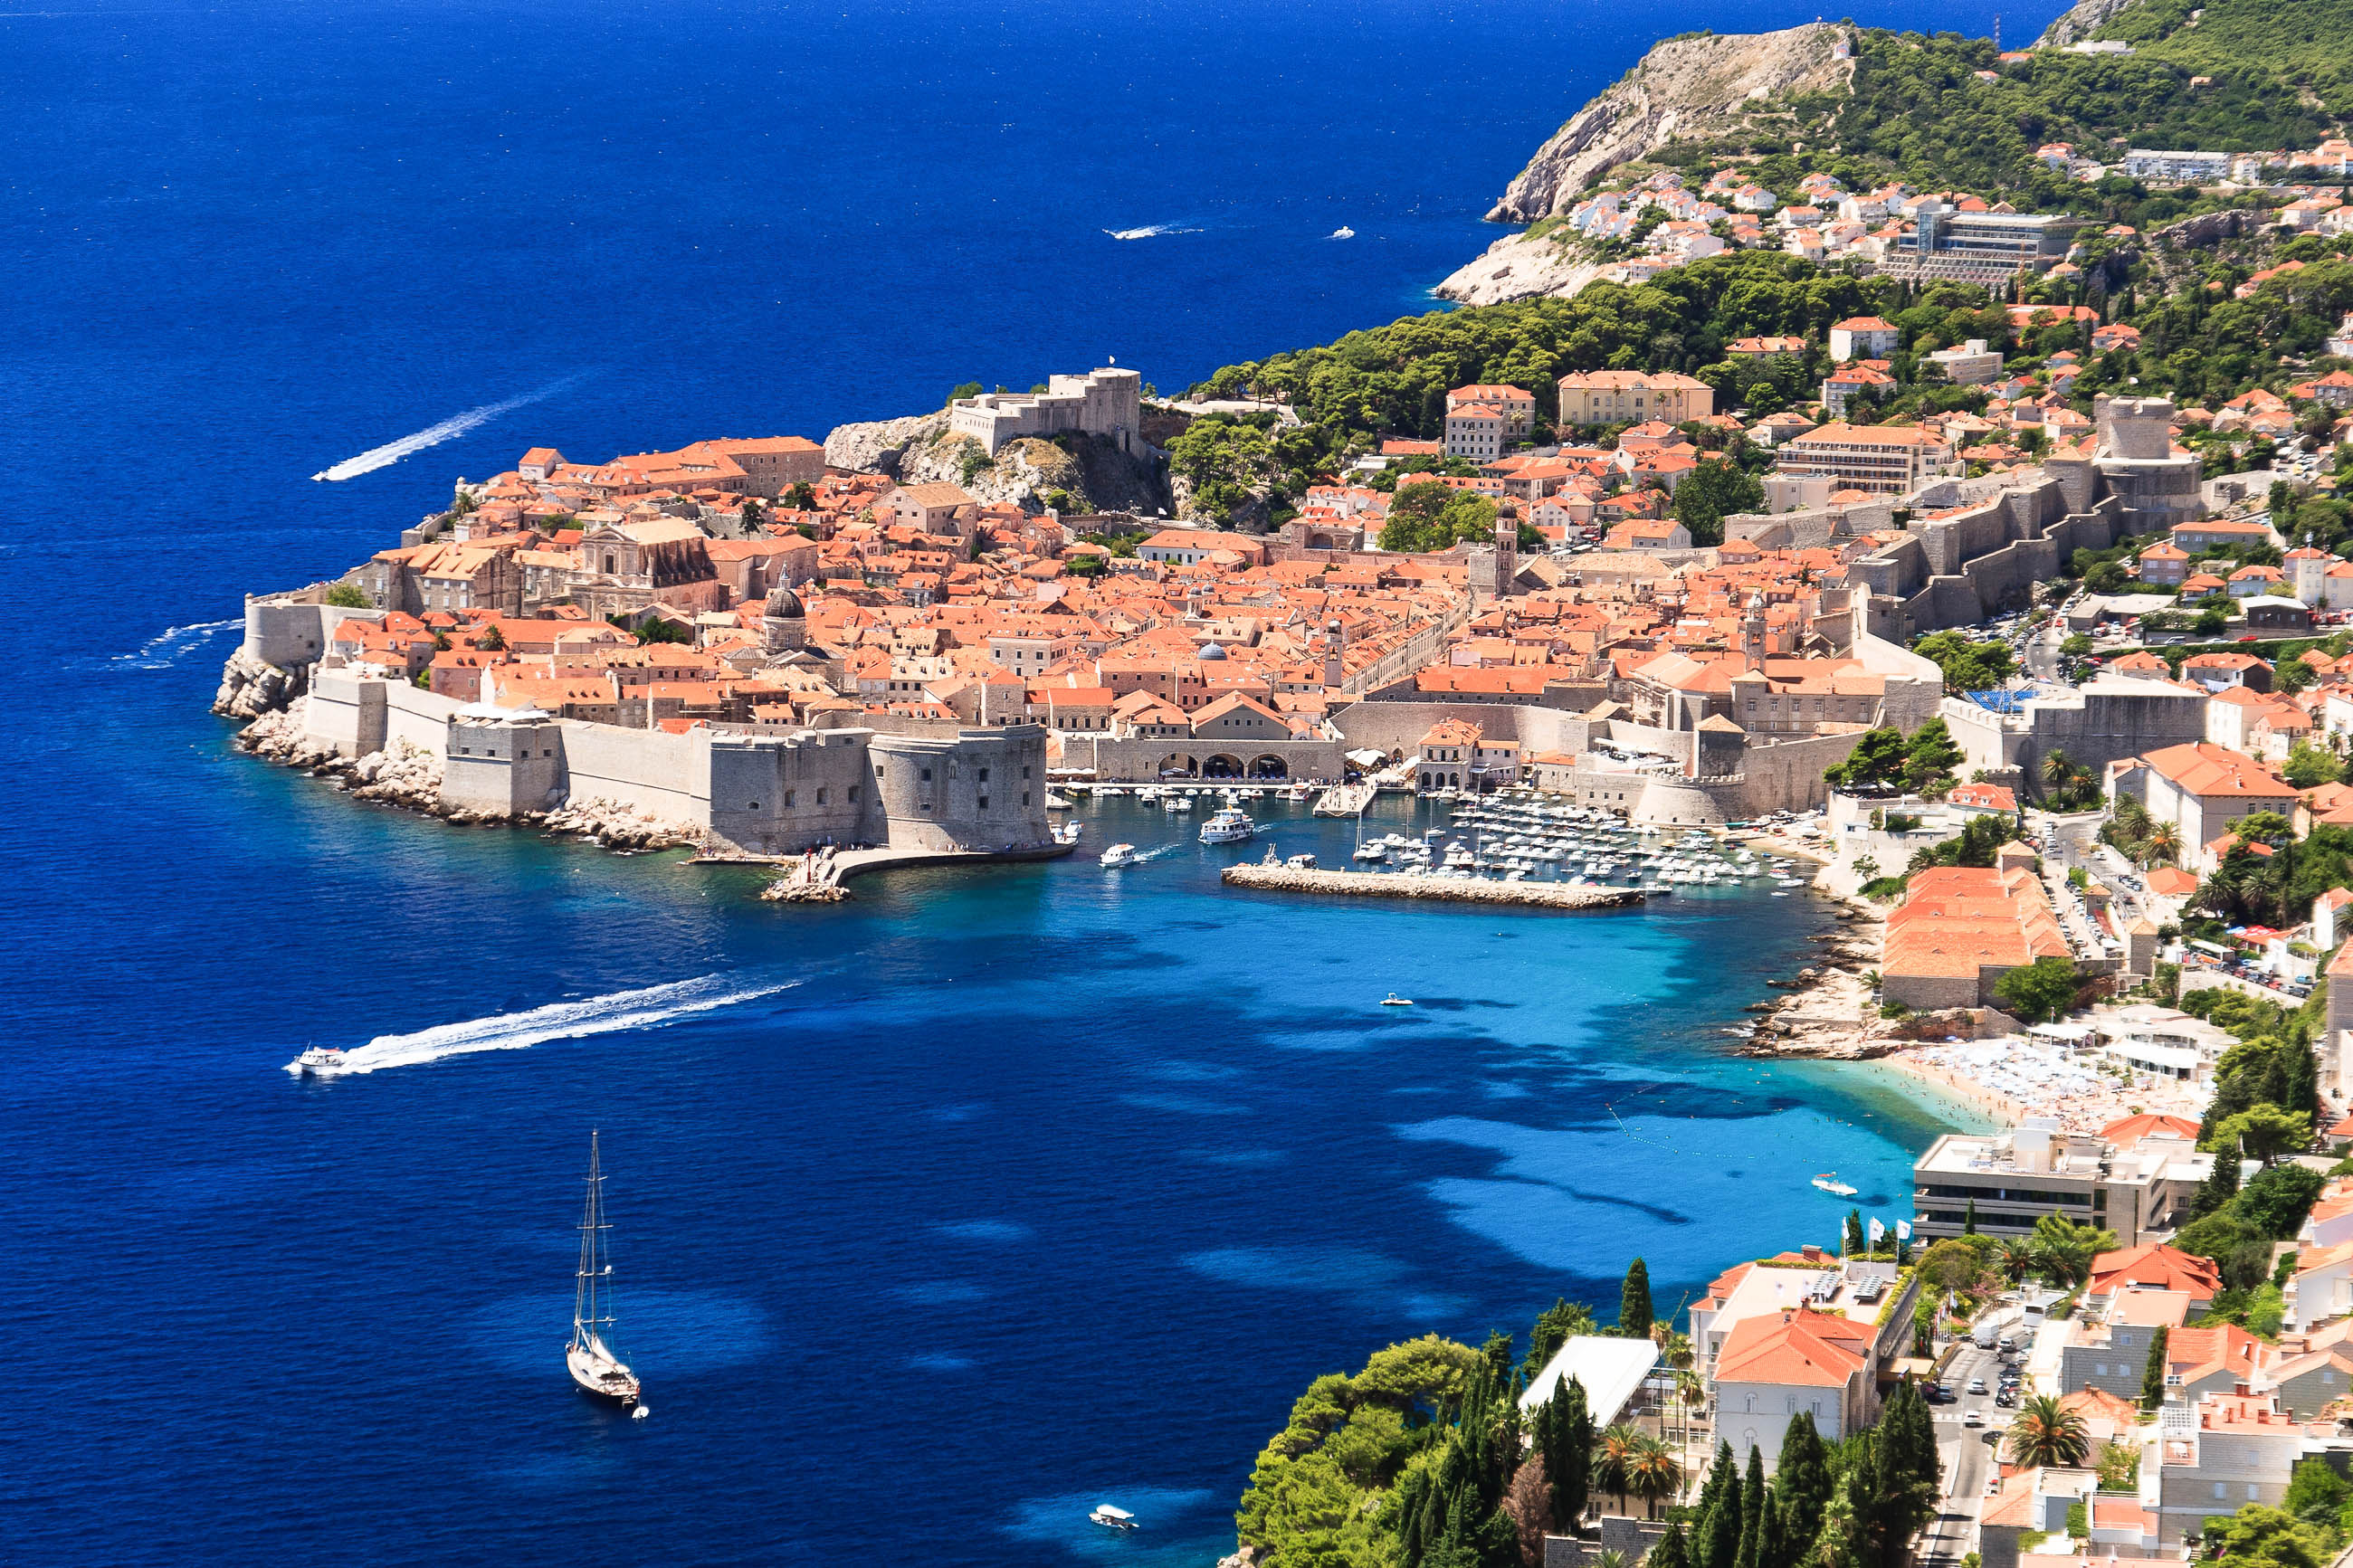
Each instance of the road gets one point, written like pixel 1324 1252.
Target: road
pixel 1968 1455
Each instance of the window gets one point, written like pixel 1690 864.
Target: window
pixel 2221 1490
pixel 927 776
pixel 820 797
pixel 1024 798
pixel 752 806
pixel 2252 1491
pixel 984 776
pixel 788 797
pixel 1025 772
pixel 853 794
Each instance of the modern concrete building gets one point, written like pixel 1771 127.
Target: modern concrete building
pixel 2016 1177
pixel 2177 168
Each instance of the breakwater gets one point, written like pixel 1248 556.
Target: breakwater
pixel 1538 895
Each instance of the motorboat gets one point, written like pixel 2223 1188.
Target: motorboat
pixel 1176 802
pixel 1828 1182
pixel 1229 826
pixel 1394 1000
pixel 1111 1518
pixel 595 1367
pixel 319 1061
pixel 1119 855
pixel 1372 852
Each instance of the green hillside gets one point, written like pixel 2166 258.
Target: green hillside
pixel 2309 43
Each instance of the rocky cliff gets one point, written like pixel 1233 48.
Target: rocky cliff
pixel 1520 267
pixel 2079 22
pixel 1094 475
pixel 1702 86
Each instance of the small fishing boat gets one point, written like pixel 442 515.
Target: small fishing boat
pixel 1394 1000
pixel 594 1366
pixel 1119 855
pixel 1828 1181
pixel 1111 1518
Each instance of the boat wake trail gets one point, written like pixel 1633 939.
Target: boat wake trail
pixel 622 1010
pixel 167 649
pixel 1157 853
pixel 1152 231
pixel 391 452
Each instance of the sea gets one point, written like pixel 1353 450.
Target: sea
pixel 941 1216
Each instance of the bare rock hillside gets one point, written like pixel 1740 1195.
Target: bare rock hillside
pixel 1093 475
pixel 1683 87
pixel 2079 22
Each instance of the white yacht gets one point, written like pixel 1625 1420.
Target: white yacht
pixel 1229 826
pixel 318 1062
pixel 1829 1182
pixel 594 1366
pixel 1111 1518
pixel 1176 802
pixel 1119 855
pixel 1372 852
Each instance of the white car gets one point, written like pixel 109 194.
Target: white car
pixel 1976 1417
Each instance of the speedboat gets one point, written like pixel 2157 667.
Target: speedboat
pixel 1119 855
pixel 1229 826
pixel 1373 851
pixel 1828 1182
pixel 318 1062
pixel 1175 803
pixel 1111 1518
pixel 1394 1000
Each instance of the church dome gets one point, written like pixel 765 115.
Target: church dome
pixel 1211 650
pixel 783 605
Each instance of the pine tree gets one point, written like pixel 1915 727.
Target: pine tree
pixel 1970 1219
pixel 1854 1242
pixel 1671 1550
pixel 1771 1550
pixel 2152 1377
pixel 1634 1311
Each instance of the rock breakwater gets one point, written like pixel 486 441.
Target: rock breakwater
pixel 1534 895
pixel 251 687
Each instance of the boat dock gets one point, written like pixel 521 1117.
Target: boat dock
pixel 1458 889
pixel 1343 800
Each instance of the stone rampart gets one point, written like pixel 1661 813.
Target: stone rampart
pixel 650 771
pixel 417 717
pixel 290 630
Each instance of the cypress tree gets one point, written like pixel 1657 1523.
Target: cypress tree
pixel 1568 1454
pixel 1753 1502
pixel 1854 1242
pixel 1718 1539
pixel 1970 1219
pixel 1634 1311
pixel 2220 1185
pixel 1771 1549
pixel 1802 1484
pixel 2152 1377
pixel 1670 1552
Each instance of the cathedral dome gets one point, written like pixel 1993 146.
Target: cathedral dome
pixel 783 605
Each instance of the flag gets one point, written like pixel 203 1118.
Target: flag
pixel 1903 1230
pixel 1878 1231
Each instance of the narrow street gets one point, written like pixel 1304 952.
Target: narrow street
pixel 1967 1453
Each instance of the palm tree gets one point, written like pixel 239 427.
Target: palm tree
pixel 2082 786
pixel 2164 843
pixel 1652 1471
pixel 2044 1433
pixel 1613 1458
pixel 2056 768
pixel 2016 1258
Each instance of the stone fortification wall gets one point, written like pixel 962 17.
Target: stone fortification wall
pixel 1397 728
pixel 2103 722
pixel 982 789
pixel 503 767
pixel 1787 776
pixel 1118 760
pixel 648 771
pixel 290 630
pixel 345 713
pixel 783 793
pixel 417 717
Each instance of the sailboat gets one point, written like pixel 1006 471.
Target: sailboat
pixel 589 1357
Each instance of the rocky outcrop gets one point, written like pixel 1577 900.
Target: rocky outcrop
pixel 251 687
pixel 618 826
pixel 1700 86
pixel 2079 22
pixel 1521 266
pixel 1094 475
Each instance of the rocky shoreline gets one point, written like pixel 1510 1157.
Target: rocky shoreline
pixel 409 777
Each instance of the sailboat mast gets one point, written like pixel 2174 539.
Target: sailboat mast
pixel 583 1290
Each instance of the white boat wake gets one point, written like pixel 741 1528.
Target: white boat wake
pixel 1150 231
pixel 622 1010
pixel 392 452
pixel 167 647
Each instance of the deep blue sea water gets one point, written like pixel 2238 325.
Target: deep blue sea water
pixel 1018 1192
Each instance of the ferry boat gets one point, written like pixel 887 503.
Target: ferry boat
pixel 1229 826
pixel 594 1366
pixel 1119 855
pixel 1111 1518
pixel 318 1062
pixel 1828 1181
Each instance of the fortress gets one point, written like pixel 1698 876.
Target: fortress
pixel 936 788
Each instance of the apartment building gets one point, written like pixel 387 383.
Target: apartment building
pixel 2015 1178
pixel 1882 459
pixel 1620 396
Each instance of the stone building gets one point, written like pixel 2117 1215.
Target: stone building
pixel 1106 402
